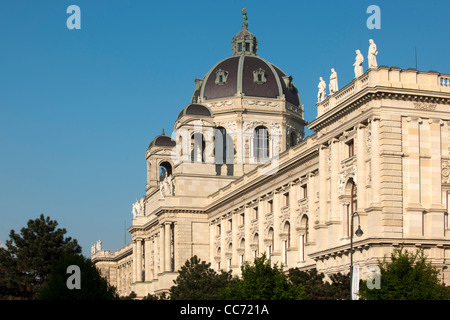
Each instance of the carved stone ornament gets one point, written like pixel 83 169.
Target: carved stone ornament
pixel 425 106
pixel 261 103
pixel 445 171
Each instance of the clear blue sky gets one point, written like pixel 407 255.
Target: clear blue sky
pixel 78 108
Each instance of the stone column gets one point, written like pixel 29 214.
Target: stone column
pixel 247 233
pixel 134 279
pixel 277 204
pixel 375 162
pixel 361 167
pixel 138 260
pixel 167 243
pixel 155 257
pixel 323 196
pixel 148 250
pixel 162 251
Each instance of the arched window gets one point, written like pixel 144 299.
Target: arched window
pixel 220 145
pixel 255 245
pixel 223 151
pixel 269 242
pixel 303 236
pixel 292 139
pixel 165 170
pixel 261 143
pixel 197 147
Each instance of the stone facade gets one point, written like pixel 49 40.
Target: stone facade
pixel 379 154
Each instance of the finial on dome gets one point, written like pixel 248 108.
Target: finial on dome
pixel 244 18
pixel 163 134
pixel 244 43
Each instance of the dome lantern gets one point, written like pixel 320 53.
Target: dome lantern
pixel 244 43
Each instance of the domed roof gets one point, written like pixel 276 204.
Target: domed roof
pixel 162 141
pixel 249 75
pixel 245 73
pixel 195 109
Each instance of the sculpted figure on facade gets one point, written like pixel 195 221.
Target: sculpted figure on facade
pixel 372 56
pixel 166 186
pixel 322 94
pixel 98 245
pixel 333 81
pixel 138 207
pixel 359 59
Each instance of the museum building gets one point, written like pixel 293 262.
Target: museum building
pixel 237 178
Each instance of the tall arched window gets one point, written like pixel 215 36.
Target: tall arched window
pixel 223 151
pixel 165 170
pixel 303 236
pixel 261 143
pixel 292 139
pixel 198 147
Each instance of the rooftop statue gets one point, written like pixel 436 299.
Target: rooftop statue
pixel 358 64
pixel 333 82
pixel 372 56
pixel 244 18
pixel 322 94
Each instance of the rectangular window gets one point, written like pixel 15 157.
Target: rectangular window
pixel 240 46
pixel 255 213
pixel 351 148
pixel 286 199
pixel 304 191
pixel 247 46
pixel 269 206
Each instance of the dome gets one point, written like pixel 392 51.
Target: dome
pixel 195 109
pixel 162 141
pixel 245 73
pixel 249 75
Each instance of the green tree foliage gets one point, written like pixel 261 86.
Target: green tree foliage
pixel 262 281
pixel 316 288
pixel 92 285
pixel 407 276
pixel 25 263
pixel 197 281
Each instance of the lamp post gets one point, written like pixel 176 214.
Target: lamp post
pixel 358 233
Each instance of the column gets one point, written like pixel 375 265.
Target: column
pixel 277 200
pixel 155 257
pixel 134 274
pixel 334 220
pixel 167 245
pixel 138 260
pixel 361 167
pixel 162 251
pixel 375 162
pixel 148 250
pixel 323 196
pixel 247 233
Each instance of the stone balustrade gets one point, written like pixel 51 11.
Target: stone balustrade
pixel 390 77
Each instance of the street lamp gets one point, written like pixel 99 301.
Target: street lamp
pixel 358 233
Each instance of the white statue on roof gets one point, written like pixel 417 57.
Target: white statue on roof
pixel 372 56
pixel 359 59
pixel 322 94
pixel 333 81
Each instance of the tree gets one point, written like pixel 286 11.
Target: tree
pixel 407 276
pixel 26 261
pixel 92 285
pixel 262 281
pixel 316 288
pixel 197 281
